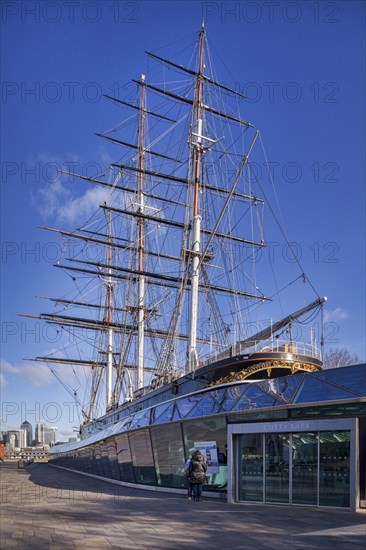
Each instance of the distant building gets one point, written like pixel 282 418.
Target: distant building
pixel 49 435
pixel 13 440
pixel 22 439
pixel 72 439
pixel 40 434
pixel 27 426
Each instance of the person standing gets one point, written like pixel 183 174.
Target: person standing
pixel 189 483
pixel 197 474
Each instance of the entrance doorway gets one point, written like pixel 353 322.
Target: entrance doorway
pixel 313 467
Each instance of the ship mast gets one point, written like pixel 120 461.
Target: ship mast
pixel 140 245
pixel 196 218
pixel 108 320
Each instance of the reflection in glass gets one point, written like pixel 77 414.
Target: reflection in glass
pixel 212 429
pixel 186 404
pixel 162 413
pixel 112 454
pixel 169 457
pixel 142 458
pixel 105 459
pixel 304 468
pixel 334 487
pixel 254 398
pixel 226 397
pixel 96 460
pixel 277 467
pixel 122 450
pixel 88 454
pixel 352 378
pixel 314 389
pixel 205 407
pixel 283 387
pixel 250 471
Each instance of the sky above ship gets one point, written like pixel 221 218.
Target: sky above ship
pixel 301 65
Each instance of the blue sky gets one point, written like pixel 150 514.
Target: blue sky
pixel 301 65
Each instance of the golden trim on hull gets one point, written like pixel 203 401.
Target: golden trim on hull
pixel 268 366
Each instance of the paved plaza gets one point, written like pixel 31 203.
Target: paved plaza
pixel 46 507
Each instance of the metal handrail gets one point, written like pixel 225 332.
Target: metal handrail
pixel 274 346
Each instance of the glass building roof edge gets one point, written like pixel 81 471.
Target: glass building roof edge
pixel 106 432
pixel 334 384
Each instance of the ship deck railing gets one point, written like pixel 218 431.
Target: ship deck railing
pixel 272 346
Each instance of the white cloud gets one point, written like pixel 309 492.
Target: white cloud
pixel 56 199
pixel 81 208
pixel 37 374
pixel 2 380
pixel 337 314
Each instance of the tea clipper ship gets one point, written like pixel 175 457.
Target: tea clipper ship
pixel 164 305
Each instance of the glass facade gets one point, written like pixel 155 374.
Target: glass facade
pixel 124 460
pixel 209 429
pixel 169 456
pixel 250 467
pixel 334 476
pixel 307 468
pixel 142 457
pixel 277 467
pixel 304 468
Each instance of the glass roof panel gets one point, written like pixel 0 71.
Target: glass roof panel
pixel 315 390
pixel 283 387
pixel 185 404
pixel 204 407
pixel 162 413
pixel 352 378
pixel 226 397
pixel 140 419
pixel 176 413
pixel 255 398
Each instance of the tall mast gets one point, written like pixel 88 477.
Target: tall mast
pixel 196 218
pixel 108 320
pixel 140 245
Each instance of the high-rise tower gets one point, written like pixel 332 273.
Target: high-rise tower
pixel 27 426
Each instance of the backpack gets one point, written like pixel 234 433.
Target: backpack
pixel 197 472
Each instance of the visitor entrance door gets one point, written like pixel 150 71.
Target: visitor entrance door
pixel 304 468
pixel 296 467
pixel 277 468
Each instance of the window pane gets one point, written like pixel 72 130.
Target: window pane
pixel 113 461
pixel 353 378
pixel 105 459
pixel 124 459
pixel 226 397
pixel 142 457
pixel 215 429
pixel 334 469
pixel 304 468
pixel 250 453
pixel 255 398
pixel 98 464
pixel 314 389
pixel 283 387
pixel 88 454
pixel 277 467
pixel 162 413
pixel 140 419
pixel 186 404
pixel 169 457
pixel 204 407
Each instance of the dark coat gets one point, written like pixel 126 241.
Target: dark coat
pixel 197 468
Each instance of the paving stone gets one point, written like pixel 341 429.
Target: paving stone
pixel 69 511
